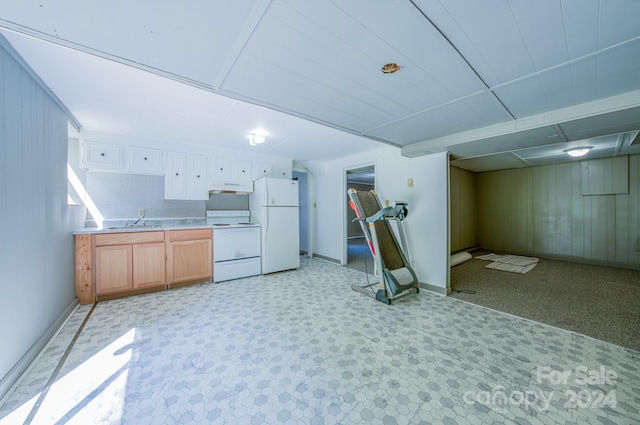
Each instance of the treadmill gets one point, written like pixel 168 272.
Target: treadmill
pixel 390 255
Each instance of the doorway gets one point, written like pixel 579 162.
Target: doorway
pixel 358 255
pixel 304 212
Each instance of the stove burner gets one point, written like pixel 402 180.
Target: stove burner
pixel 221 224
pixel 246 224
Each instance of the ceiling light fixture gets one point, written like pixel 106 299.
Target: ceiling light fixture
pixel 256 138
pixel 390 68
pixel 576 152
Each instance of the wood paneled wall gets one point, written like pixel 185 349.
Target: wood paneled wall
pixel 541 210
pixel 462 201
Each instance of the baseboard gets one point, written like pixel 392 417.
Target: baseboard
pixel 12 378
pixel 435 289
pixel 322 257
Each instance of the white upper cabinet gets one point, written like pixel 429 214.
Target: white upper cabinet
pixel 144 161
pixel 262 169
pixel 175 178
pixel 227 174
pixel 244 174
pixel 219 169
pixel 283 173
pixel 101 156
pixel 197 177
pixel 185 176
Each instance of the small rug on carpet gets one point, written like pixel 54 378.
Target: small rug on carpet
pixel 510 267
pixel 510 263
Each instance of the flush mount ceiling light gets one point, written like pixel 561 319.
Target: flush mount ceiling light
pixel 576 152
pixel 390 68
pixel 256 138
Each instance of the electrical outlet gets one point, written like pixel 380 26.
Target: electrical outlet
pixel 409 182
pixel 140 212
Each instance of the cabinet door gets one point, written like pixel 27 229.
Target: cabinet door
pixel 148 265
pixel 197 177
pixel 283 173
pixel 175 178
pixel 191 260
pixel 244 174
pixel 219 169
pixel 145 161
pixel 113 268
pixel 262 169
pixel 100 156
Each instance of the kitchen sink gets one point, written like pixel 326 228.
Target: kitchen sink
pixel 134 226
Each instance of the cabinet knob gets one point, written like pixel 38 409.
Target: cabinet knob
pixel 102 154
pixel 198 176
pixel 145 158
pixel 177 174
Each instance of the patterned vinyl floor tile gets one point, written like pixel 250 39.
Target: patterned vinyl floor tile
pixel 300 347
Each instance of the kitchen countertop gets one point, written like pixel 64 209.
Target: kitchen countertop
pixel 146 228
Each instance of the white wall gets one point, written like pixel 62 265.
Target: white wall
pixel 426 225
pixel 37 289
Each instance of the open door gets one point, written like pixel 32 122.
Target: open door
pixel 358 256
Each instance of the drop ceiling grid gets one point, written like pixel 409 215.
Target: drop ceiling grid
pixel 184 41
pixel 371 96
pixel 581 21
pixel 617 69
pixel 417 42
pixel 118 87
pixel 536 94
pixel 543 32
pixel 315 85
pixel 310 99
pixel 604 124
pixel 503 51
pixel 344 55
pixel 453 117
pixel 617 22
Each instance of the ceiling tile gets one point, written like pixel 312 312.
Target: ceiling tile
pixel 505 143
pixel 489 163
pixel 191 42
pixel 472 112
pixel 603 124
pixel 335 72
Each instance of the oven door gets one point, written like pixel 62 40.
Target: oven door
pixel 235 243
pixel 235 269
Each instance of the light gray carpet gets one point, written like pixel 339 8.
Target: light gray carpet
pixel 600 302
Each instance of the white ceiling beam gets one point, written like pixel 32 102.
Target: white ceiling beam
pixel 547 119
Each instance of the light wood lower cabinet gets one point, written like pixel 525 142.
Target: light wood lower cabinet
pixel 114 268
pixel 129 261
pixel 115 264
pixel 189 255
pixel 148 261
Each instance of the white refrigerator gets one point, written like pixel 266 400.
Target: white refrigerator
pixel 274 204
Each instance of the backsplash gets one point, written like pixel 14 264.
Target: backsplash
pixel 119 197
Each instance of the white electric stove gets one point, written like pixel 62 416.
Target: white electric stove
pixel 236 244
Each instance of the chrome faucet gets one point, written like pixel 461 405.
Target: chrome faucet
pixel 139 218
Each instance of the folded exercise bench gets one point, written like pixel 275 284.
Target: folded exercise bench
pixel 391 259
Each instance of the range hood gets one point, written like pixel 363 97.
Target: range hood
pixel 231 188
